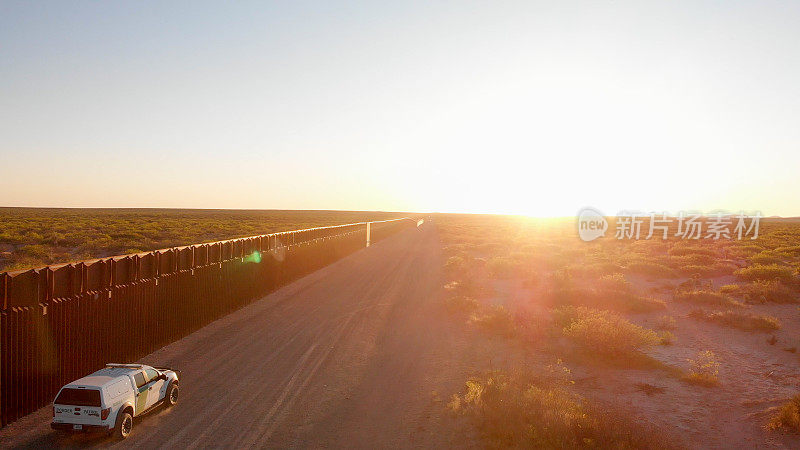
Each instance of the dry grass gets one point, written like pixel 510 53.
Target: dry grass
pixel 461 304
pixel 523 411
pixel 495 320
pixel 666 338
pixel 666 323
pixel 766 272
pixel 588 287
pixel 739 320
pixel 705 297
pixel 704 370
pixel 761 291
pixel 603 332
pixel 503 267
pixel 622 300
pixel 788 416
pixel 652 269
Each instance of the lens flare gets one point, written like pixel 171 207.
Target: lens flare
pixel 254 257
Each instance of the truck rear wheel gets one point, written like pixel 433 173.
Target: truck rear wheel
pixel 172 395
pixel 124 425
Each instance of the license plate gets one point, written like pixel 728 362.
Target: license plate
pixel 77 427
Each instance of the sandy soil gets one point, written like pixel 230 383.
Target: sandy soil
pixel 755 376
pixel 355 355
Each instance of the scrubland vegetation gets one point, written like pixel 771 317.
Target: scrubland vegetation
pixel 536 285
pixel 788 416
pixel 526 410
pixel 34 237
pixel 704 369
pixel 602 332
pixel 740 320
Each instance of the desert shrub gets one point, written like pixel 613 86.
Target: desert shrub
pixel 461 304
pixel 695 283
pixel 594 268
pixel 637 303
pixel 562 279
pixel 788 415
pixel 652 269
pixel 692 259
pixel 766 258
pixel 682 250
pixel 761 291
pixel 768 272
pixel 614 282
pixel 665 338
pixel 705 297
pixel 602 332
pixel 793 250
pixel 455 265
pixel 740 320
pixel 470 286
pixel 490 248
pixel 704 369
pixel 730 289
pixel 502 266
pixel 743 251
pixel 34 251
pixel 716 269
pixel 617 300
pixel 523 412
pixel 666 323
pixel 495 319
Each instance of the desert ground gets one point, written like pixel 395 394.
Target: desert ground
pixel 35 237
pixel 696 340
pixel 497 332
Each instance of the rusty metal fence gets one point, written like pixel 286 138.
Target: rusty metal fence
pixel 62 322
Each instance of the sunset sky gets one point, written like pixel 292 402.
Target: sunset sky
pixel 512 107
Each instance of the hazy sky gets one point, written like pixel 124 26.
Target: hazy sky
pixel 521 107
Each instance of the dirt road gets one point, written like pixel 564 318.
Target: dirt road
pixel 349 356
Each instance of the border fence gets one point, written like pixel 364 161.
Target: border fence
pixel 59 323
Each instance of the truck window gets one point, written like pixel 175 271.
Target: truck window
pixel 140 381
pixel 78 397
pixel 151 374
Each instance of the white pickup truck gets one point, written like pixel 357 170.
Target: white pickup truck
pixel 110 398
